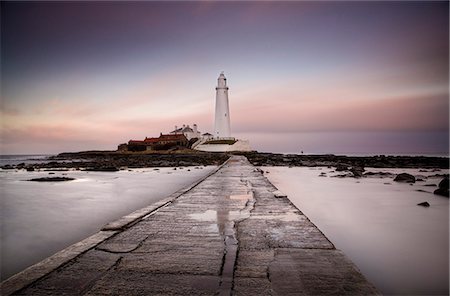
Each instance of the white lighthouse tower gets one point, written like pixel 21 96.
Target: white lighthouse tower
pixel 222 130
pixel 222 121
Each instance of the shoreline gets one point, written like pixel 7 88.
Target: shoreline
pixel 114 160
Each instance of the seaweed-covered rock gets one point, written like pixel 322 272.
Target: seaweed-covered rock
pixel 424 204
pixel 443 188
pixel 52 179
pixel 103 169
pixel 377 174
pixel 341 167
pixel 357 171
pixel 444 183
pixel 406 178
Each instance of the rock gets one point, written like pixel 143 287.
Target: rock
pixel 424 204
pixel 51 179
pixel 442 192
pixel 443 188
pixel 406 178
pixel 357 171
pixel 7 167
pixel 348 175
pixel 103 169
pixel 377 174
pixel 431 185
pixel 30 169
pixel 444 183
pixel 341 167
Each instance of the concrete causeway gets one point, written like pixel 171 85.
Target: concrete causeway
pixel 233 233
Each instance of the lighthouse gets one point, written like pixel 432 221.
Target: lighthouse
pixel 222 120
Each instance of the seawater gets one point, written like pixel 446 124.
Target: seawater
pixel 23 158
pixel 399 246
pixel 40 218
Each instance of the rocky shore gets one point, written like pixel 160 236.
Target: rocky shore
pixel 342 161
pixel 114 160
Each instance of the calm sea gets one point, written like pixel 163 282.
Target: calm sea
pixel 18 158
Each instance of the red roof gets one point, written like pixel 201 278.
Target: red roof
pixel 147 141
pixel 151 140
pixel 172 137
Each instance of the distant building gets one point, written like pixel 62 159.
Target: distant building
pixel 163 142
pixel 187 131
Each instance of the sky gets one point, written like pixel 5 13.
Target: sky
pixel 323 76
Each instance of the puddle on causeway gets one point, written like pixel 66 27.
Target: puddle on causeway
pixel 216 216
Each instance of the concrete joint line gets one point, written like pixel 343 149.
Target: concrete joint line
pixel 123 252
pixel 155 211
pixel 92 282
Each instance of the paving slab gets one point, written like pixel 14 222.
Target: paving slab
pixel 234 233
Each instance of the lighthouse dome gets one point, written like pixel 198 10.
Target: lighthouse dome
pixel 222 81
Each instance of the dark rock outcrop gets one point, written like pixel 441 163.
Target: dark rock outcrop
pixel 443 188
pixel 357 171
pixel 424 204
pixel 103 169
pixel 405 178
pixel 377 174
pixel 341 167
pixel 330 160
pixel 52 179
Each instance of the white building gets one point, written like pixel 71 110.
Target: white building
pixel 222 119
pixel 221 141
pixel 188 132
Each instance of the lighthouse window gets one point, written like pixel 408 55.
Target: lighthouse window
pixel 225 114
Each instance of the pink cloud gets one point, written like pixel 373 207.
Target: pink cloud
pixel 388 114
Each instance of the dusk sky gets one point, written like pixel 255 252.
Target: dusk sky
pixel 91 75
